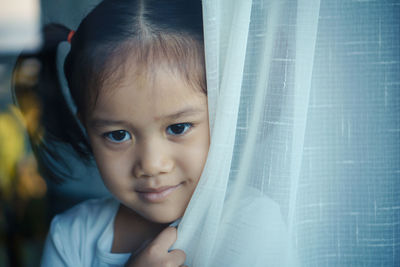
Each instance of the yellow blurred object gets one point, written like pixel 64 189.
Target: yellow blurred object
pixel 12 150
pixel 18 167
pixel 30 184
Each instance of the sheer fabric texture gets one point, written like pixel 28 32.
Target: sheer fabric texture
pixel 304 157
pixel 259 58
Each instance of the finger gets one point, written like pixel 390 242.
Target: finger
pixel 165 239
pixel 177 256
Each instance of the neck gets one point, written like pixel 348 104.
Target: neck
pixel 131 230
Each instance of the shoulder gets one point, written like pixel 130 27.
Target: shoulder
pixel 255 207
pixel 269 232
pixel 258 225
pixel 85 210
pixel 84 216
pixel 74 233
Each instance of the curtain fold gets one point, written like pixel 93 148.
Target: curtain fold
pixel 207 202
pixel 258 93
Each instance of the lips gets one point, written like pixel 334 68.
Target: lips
pixel 155 195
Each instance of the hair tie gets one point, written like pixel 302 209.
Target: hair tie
pixel 70 35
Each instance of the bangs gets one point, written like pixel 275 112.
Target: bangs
pixel 179 55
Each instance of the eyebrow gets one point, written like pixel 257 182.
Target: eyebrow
pixel 97 122
pixel 181 113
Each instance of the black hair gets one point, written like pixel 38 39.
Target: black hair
pixel 113 34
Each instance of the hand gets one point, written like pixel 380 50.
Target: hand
pixel 156 253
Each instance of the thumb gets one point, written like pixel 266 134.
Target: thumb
pixel 165 239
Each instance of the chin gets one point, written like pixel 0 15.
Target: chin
pixel 161 218
pixel 164 220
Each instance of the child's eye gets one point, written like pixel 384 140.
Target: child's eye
pixel 118 136
pixel 179 128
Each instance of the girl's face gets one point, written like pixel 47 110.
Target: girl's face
pixel 150 140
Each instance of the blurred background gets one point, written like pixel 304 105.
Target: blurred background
pixel 28 201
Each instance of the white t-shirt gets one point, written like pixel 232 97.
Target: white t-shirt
pixel 83 236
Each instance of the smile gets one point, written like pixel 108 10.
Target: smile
pixel 156 194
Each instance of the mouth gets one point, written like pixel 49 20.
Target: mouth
pixel 156 195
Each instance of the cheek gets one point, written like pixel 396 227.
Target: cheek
pixel 112 166
pixel 195 158
pixel 114 175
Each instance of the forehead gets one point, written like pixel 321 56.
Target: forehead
pixel 136 95
pixel 143 64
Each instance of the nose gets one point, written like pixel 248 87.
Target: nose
pixel 152 158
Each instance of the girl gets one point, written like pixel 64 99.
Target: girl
pixel 136 74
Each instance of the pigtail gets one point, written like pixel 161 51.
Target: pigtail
pixel 55 122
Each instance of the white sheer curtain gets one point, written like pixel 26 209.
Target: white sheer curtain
pixel 259 58
pixel 303 167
